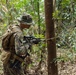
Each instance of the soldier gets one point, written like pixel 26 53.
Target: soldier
pixel 12 65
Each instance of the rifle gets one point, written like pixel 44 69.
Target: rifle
pixel 31 40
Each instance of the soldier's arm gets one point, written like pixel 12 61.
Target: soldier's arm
pixel 19 46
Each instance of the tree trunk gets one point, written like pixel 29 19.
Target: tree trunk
pixel 50 34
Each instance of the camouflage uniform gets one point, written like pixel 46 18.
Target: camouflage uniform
pixel 19 49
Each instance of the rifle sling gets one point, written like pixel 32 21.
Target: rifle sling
pixel 18 58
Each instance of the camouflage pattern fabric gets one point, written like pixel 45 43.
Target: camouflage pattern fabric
pixel 20 49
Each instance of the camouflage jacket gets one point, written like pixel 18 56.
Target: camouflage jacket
pixel 20 48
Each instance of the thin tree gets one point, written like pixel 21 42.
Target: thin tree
pixel 38 12
pixel 50 34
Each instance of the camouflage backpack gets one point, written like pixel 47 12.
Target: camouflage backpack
pixel 6 44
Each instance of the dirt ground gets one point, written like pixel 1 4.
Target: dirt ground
pixel 64 68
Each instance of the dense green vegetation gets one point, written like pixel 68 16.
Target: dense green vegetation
pixel 64 19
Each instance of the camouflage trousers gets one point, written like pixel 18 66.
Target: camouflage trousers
pixel 12 71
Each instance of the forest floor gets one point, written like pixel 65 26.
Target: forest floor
pixel 65 66
pixel 1 68
pixel 67 63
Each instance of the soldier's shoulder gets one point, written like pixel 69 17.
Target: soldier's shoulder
pixel 14 28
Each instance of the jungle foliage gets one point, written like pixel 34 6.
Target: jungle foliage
pixel 64 16
pixel 64 20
